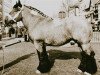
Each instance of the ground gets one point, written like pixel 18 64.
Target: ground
pixel 21 59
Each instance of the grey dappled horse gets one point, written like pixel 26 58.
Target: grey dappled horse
pixel 45 31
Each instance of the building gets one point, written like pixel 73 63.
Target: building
pixel 7 6
pixel 94 16
pixel 1 19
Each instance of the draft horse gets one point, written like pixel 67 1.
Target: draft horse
pixel 44 31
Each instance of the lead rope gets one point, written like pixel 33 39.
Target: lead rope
pixel 3 64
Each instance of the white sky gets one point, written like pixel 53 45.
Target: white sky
pixel 49 7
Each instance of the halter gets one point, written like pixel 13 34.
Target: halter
pixel 13 17
pixel 33 11
pixel 21 9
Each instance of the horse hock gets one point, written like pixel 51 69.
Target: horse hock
pixel 88 63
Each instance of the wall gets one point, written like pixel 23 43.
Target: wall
pixel 99 12
pixel 7 6
pixel 0 10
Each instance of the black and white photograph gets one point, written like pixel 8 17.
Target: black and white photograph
pixel 49 37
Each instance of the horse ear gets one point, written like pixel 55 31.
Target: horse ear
pixel 16 5
pixel 16 2
pixel 19 3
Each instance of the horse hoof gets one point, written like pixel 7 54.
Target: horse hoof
pixel 78 70
pixel 86 73
pixel 44 66
pixel 38 72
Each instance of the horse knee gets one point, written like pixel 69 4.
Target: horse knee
pixel 41 50
pixel 87 48
pixel 39 45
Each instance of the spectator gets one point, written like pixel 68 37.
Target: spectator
pixel 11 31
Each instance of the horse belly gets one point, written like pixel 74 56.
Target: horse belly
pixel 55 42
pixel 57 39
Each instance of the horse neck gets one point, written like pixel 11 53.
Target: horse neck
pixel 30 21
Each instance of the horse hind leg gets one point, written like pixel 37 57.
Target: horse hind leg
pixel 88 63
pixel 44 62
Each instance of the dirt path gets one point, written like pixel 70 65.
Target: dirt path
pixel 21 59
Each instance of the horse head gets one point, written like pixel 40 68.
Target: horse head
pixel 15 14
pixel 19 11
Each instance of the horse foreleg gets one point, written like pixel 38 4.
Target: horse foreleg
pixel 88 63
pixel 44 62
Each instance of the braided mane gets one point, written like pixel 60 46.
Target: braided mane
pixel 38 11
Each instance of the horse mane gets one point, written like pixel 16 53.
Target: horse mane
pixel 38 11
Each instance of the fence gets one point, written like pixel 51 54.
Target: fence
pixel 96 37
